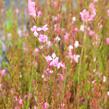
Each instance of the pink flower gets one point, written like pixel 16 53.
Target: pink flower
pixel 95 1
pixel 62 106
pixel 45 105
pixel 49 44
pixel 39 13
pixel 74 57
pixel 53 61
pixel 60 64
pixel 34 28
pixel 39 29
pixel 108 12
pixel 48 71
pixel 85 15
pixel 92 11
pixel 36 50
pixel 45 28
pixel 17 107
pixel 90 32
pixel 107 41
pixel 17 11
pixel 35 107
pixel 42 38
pixel 31 8
pixel 48 58
pixel 3 72
pixel 66 36
pixel 88 15
pixel 20 101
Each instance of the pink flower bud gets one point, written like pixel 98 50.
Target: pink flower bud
pixel 107 41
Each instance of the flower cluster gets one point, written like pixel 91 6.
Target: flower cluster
pixel 37 33
pixel 32 9
pixel 71 54
pixel 53 61
pixel 88 15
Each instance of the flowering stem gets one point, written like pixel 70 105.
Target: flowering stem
pixel 80 63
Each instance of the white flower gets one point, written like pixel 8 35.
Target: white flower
pixel 82 28
pixel 70 47
pixel 57 39
pixel 49 44
pixel 53 55
pixel 104 78
pixel 76 58
pixel 76 44
pixel 33 28
pixel 73 19
pixel 107 93
pixel 36 34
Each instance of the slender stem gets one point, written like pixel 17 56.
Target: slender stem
pixel 80 63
